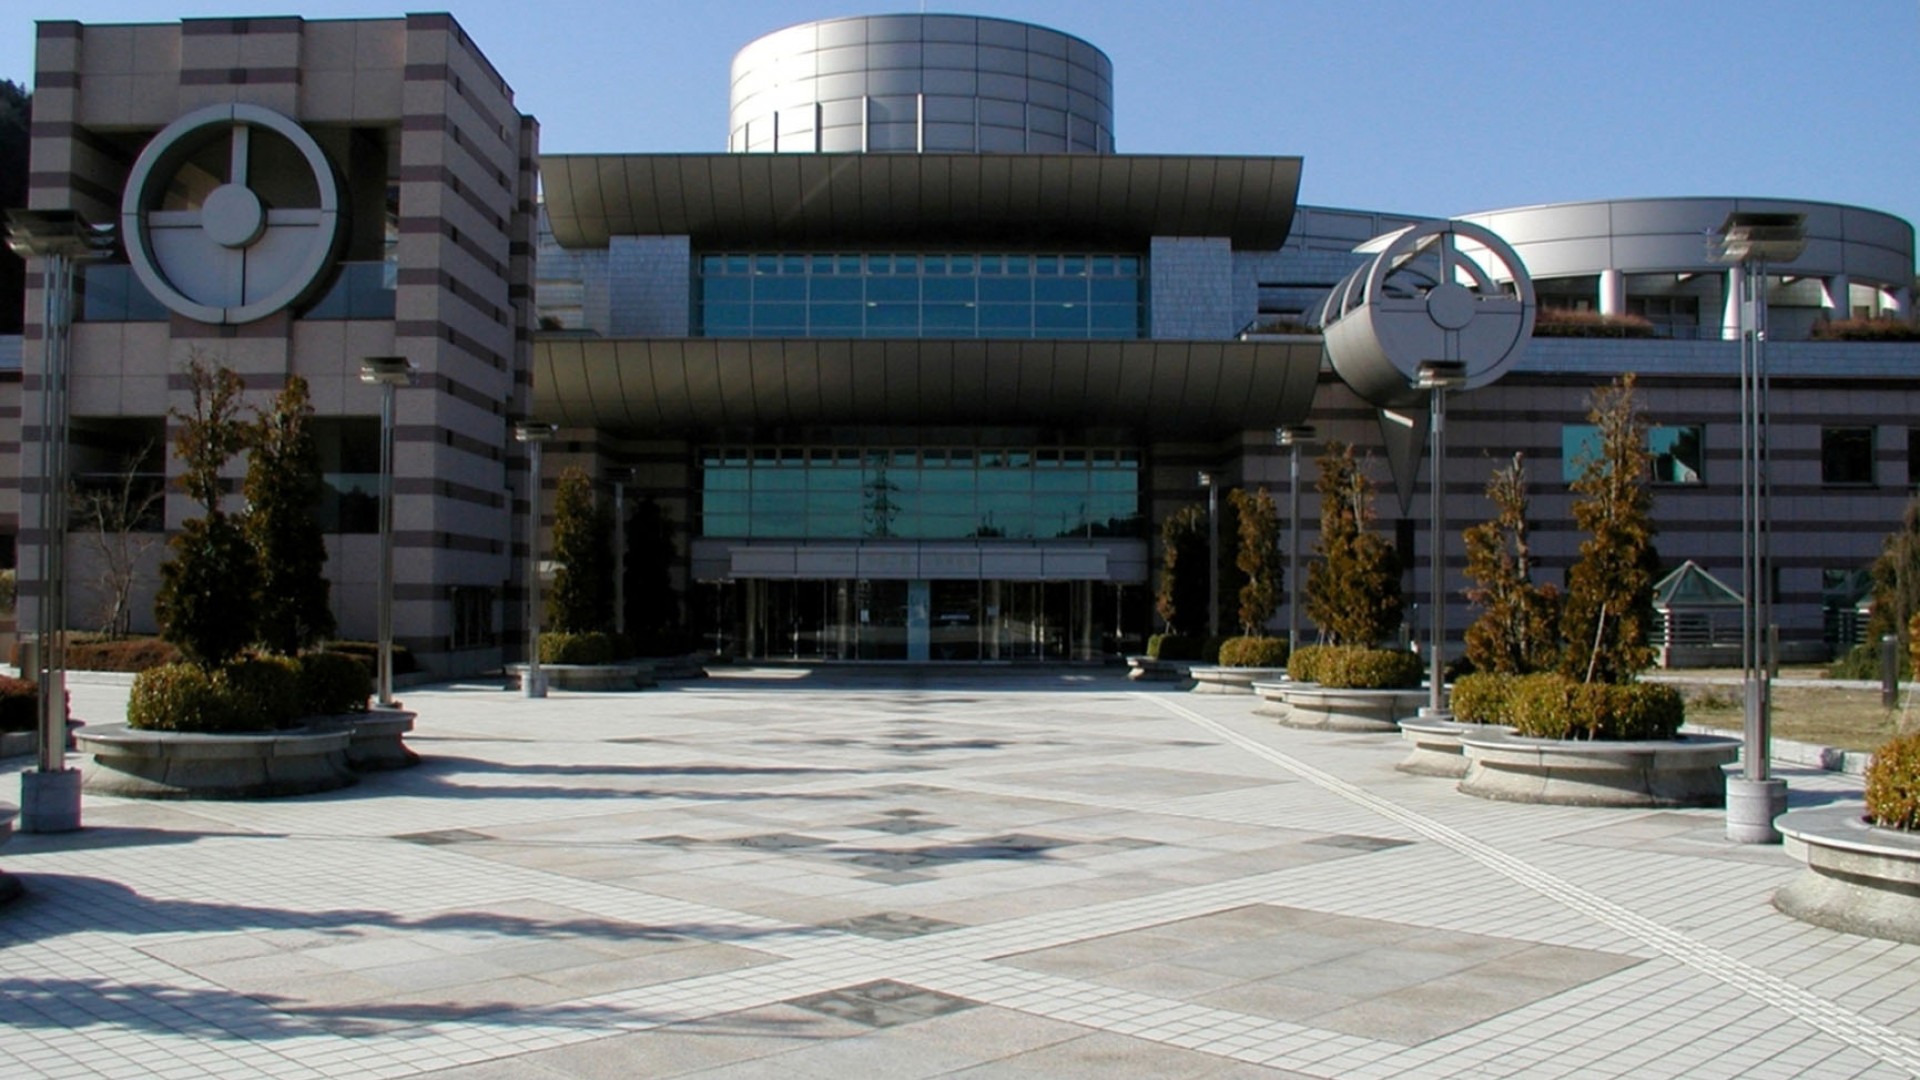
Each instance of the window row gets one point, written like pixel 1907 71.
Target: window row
pixel 110 292
pixel 1679 454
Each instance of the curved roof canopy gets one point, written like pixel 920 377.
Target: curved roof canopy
pixel 786 199
pixel 683 386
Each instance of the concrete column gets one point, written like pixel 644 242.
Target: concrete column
pixel 1613 292
pixel 1899 301
pixel 1839 301
pixel 1730 324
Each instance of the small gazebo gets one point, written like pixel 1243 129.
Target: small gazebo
pixel 1699 619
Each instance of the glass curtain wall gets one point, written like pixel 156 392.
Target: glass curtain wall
pixel 942 295
pixel 920 493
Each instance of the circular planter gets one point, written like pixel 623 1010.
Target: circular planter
pixel 1147 669
pixel 1686 771
pixel 195 765
pixel 1860 878
pixel 1435 746
pixel 1320 708
pixel 1232 680
pixel 376 738
pixel 590 678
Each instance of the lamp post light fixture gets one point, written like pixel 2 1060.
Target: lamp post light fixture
pixel 1751 241
pixel 387 372
pixel 1293 437
pixel 534 435
pixel 50 793
pixel 1437 378
pixel 1212 483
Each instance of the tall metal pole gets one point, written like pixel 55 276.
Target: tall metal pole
pixel 385 688
pixel 50 793
pixel 1438 555
pixel 57 293
pixel 1293 544
pixel 389 372
pixel 535 684
pixel 1211 483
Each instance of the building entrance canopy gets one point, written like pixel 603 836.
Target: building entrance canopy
pixel 681 386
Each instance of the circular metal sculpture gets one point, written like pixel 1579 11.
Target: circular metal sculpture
pixel 232 213
pixel 1433 293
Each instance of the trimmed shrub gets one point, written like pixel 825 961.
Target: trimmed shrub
pixel 1352 667
pixel 19 704
pixel 265 689
pixel 1260 652
pixel 1893 783
pixel 1180 647
pixel 334 682
pixel 590 648
pixel 1553 706
pixel 182 697
pixel 1566 322
pixel 1483 698
pixel 129 654
pixel 1862 664
pixel 1865 330
pixel 368 653
pixel 1305 663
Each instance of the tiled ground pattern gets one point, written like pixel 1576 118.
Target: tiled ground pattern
pixel 908 874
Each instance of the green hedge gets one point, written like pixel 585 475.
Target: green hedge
pixel 19 704
pixel 1893 783
pixel 256 693
pixel 1552 706
pixel 1180 647
pixel 1862 663
pixel 1256 652
pixel 1355 667
pixel 333 683
pixel 1304 665
pixel 590 648
pixel 1482 698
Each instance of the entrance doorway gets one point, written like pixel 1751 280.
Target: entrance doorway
pixel 937 621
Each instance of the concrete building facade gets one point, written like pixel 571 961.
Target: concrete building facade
pixel 916 367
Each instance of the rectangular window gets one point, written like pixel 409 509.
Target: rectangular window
pixel 1679 452
pixel 1846 456
pixel 349 451
pixel 472 617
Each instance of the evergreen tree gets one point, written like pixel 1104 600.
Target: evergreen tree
pixel 1182 598
pixel 1609 605
pixel 1258 558
pixel 581 601
pixel 1353 589
pixel 207 590
pixel 1517 631
pixel 282 486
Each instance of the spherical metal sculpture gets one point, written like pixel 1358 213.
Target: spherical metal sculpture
pixel 1442 292
pixel 232 213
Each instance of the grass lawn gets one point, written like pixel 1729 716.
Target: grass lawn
pixel 1824 716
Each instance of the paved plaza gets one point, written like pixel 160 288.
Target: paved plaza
pixel 914 873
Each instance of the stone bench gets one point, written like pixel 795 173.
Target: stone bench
pixel 1685 771
pixel 1860 878
pixel 1319 708
pixel 589 678
pixel 1209 679
pixel 376 738
pixel 197 765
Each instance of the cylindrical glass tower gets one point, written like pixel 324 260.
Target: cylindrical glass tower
pixel 921 83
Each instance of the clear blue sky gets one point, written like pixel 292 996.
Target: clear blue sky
pixel 1436 107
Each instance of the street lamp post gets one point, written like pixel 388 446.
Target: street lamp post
pixel 50 794
pixel 387 372
pixel 534 435
pixel 1438 377
pixel 1211 483
pixel 1293 437
pixel 1752 241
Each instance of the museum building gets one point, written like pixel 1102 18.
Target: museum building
pixel 910 372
